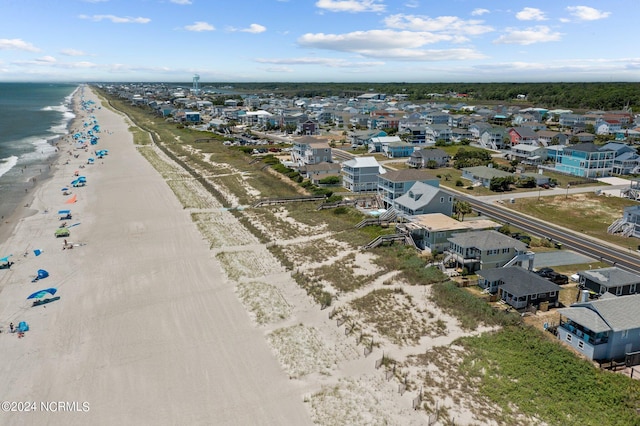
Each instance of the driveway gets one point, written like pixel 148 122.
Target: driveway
pixel 560 257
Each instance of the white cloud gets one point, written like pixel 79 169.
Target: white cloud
pixel 531 14
pixel 17 44
pixel 181 2
pixel 46 60
pixel 351 5
pixel 330 62
pixel 479 12
pixel 585 13
pixel 199 26
pixel 364 40
pixel 388 44
pixel 539 34
pixel 254 29
pixel 412 4
pixel 72 52
pixel 116 19
pixel 445 24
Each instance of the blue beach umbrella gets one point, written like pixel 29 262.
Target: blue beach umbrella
pixel 43 293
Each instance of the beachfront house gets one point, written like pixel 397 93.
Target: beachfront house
pixel 360 174
pixel 479 250
pixel 431 231
pixel 609 280
pixel 604 329
pixel 309 150
pixel 519 287
pixel 395 183
pixel 424 198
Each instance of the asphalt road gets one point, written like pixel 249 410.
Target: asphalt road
pixel 600 250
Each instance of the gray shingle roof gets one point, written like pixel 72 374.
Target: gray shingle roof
pixel 486 240
pixel 611 277
pixel 519 281
pixel 619 313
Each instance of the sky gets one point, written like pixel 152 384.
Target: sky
pixel 319 40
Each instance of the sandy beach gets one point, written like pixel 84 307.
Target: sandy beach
pixel 147 330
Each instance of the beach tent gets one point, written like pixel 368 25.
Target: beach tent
pixel 4 262
pixel 43 293
pixel 23 326
pixel 62 232
pixel 42 274
pixel 90 160
pixel 37 252
pixel 64 214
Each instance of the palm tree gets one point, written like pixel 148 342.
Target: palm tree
pixel 461 208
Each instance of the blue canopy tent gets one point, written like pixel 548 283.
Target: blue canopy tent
pixel 64 214
pixel 37 252
pixel 43 293
pixel 5 263
pixel 41 297
pixel 42 274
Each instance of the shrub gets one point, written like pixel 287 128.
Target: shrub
pixel 459 183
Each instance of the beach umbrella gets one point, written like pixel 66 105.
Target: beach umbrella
pixel 65 189
pixel 5 259
pixel 37 252
pixel 43 293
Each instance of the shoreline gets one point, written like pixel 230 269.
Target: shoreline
pixel 20 207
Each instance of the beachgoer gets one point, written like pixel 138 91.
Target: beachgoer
pixel 11 327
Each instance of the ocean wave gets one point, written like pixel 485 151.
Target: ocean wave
pixel 7 164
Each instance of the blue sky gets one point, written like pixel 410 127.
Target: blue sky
pixel 319 40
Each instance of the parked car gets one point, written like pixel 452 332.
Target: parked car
pixel 543 272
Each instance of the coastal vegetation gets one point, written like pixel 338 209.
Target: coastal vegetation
pixel 512 372
pixel 585 96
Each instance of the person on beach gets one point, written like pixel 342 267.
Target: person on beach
pixel 11 327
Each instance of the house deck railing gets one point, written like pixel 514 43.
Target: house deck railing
pixel 582 333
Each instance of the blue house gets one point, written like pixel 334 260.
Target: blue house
pixel 584 159
pixel 604 329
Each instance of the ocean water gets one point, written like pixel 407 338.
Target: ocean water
pixel 32 117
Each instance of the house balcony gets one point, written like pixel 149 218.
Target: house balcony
pixel 583 333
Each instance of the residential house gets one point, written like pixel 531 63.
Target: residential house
pixel 479 250
pixel 482 175
pixel 522 135
pixel 395 183
pixel 626 159
pixel 423 198
pixel 609 280
pixel 459 134
pixel 375 143
pixel 519 287
pixel 604 329
pixel 416 135
pixel 309 150
pixel 307 127
pixel 428 157
pixel 585 160
pixel 431 231
pixel 363 137
pixel 360 174
pixel 436 117
pixel 529 154
pixel 551 137
pixel 317 172
pixel 397 149
pixel 493 138
pixel 571 120
pixel 437 132
pixel 608 127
